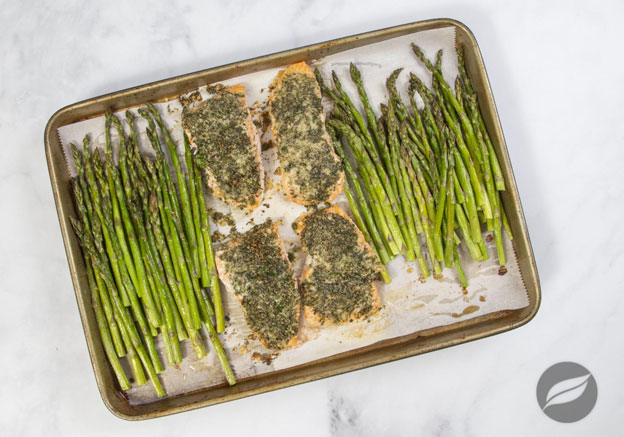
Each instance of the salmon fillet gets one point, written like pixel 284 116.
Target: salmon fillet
pixel 221 129
pixel 311 170
pixel 254 267
pixel 337 283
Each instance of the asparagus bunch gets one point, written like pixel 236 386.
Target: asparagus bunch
pixel 147 246
pixel 426 179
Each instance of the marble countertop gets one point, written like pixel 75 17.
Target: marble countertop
pixel 556 71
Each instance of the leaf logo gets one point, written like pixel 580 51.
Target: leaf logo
pixel 567 392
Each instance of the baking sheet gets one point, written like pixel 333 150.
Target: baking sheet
pixel 409 304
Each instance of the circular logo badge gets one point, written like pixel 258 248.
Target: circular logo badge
pixel 567 392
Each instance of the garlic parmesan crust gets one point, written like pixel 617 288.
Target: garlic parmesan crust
pixel 255 268
pixel 228 150
pixel 337 281
pixel 312 172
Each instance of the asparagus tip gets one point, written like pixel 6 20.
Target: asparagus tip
pixel 355 73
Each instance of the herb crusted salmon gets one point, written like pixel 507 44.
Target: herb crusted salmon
pixel 337 282
pixel 255 268
pixel 312 172
pixel 228 148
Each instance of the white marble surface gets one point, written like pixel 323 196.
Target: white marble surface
pixel 556 71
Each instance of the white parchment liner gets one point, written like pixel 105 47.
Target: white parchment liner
pixel 409 305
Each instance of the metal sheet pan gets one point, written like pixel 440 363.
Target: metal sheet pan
pixel 378 353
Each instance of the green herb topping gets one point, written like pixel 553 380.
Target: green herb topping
pixel 218 126
pixel 339 286
pixel 263 279
pixel 303 149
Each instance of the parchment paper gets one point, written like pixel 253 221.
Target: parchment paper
pixel 409 304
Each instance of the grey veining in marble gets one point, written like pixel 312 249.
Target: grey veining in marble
pixel 556 71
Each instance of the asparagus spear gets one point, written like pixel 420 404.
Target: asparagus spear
pixel 430 111
pixel 330 92
pixel 103 327
pixel 187 216
pixel 167 325
pixel 225 364
pixel 141 215
pixel 471 208
pixel 178 243
pixel 181 303
pixel 135 362
pixel 123 191
pixel 164 241
pixel 364 160
pixel 407 229
pixel 102 268
pixel 407 122
pixel 498 175
pixel 464 226
pixel 494 224
pixel 394 99
pixel 352 109
pixel 418 121
pixel 443 150
pixel 446 186
pixel 385 174
pixel 204 304
pixel 139 313
pixel 139 210
pixel 85 204
pixel 102 203
pixel 450 223
pixel 207 239
pixel 448 94
pixel 425 217
pixel 413 220
pixel 460 271
pixel 380 139
pixel 416 154
pixel 186 213
pixel 94 197
pixel 378 213
pixel 92 225
pixel 112 172
pixel 193 189
pixel 139 172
